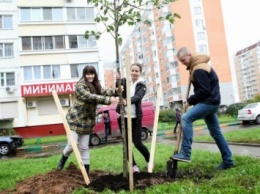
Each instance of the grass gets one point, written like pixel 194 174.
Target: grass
pixel 45 140
pixel 245 178
pixel 238 136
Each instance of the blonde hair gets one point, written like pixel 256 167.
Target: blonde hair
pixel 184 51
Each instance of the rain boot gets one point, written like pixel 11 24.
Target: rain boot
pixel 62 162
pixel 87 168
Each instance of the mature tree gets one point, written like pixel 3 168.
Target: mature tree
pixel 117 13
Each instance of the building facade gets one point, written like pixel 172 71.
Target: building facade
pixel 247 63
pixel 43 48
pixel 200 28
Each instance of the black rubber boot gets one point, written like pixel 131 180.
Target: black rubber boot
pixel 62 162
pixel 87 168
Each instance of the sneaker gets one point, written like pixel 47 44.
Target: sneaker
pixel 181 157
pixel 225 166
pixel 135 169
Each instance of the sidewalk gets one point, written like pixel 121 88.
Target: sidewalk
pixel 242 149
pixel 170 132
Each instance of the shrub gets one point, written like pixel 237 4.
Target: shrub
pixel 232 109
pixel 167 116
pixel 255 99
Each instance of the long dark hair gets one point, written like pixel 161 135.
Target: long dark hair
pixel 95 86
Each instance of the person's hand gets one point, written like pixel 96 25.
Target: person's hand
pixel 114 100
pixel 122 89
pixel 124 101
pixel 186 105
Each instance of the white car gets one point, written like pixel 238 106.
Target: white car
pixel 250 112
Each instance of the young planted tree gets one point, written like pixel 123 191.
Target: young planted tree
pixel 116 13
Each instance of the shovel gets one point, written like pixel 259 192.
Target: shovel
pixel 174 163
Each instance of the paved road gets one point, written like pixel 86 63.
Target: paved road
pixel 248 150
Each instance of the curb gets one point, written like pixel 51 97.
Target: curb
pixel 231 143
pixel 38 148
pixel 169 132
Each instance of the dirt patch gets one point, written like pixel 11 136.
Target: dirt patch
pixel 69 179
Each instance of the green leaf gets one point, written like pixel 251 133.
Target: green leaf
pixel 130 23
pixel 97 19
pixel 111 28
pixel 120 41
pixel 161 18
pixel 177 15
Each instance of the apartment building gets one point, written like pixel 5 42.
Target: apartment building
pixel 109 77
pixel 247 64
pixel 42 47
pixel 200 28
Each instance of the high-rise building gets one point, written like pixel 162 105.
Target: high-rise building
pixel 247 63
pixel 200 28
pixel 42 47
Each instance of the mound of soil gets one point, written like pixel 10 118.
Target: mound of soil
pixel 69 179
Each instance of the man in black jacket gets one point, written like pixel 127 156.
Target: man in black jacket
pixel 205 101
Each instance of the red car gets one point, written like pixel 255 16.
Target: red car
pixel 99 130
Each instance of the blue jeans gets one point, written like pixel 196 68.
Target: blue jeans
pixel 209 113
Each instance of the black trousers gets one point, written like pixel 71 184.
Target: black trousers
pixel 136 138
pixel 176 125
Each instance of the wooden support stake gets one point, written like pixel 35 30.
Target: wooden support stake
pixel 70 137
pixel 129 124
pixel 155 126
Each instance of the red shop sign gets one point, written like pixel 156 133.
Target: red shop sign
pixel 45 89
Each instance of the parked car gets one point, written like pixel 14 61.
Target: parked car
pixel 99 130
pixel 9 143
pixel 250 112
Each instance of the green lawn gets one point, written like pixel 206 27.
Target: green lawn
pixel 239 136
pixel 245 178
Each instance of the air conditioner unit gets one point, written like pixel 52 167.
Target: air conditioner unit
pixel 64 102
pixel 9 89
pixel 31 104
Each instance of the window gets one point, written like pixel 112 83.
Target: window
pixel 84 14
pixel 173 78
pixel 170 52
pixel 197 10
pixel 76 69
pixel 41 14
pixel 80 42
pixel 171 65
pixel 41 72
pixel 9 110
pixel 42 43
pixel 199 23
pixel 46 107
pixel 203 48
pixel 201 35
pixel 170 39
pixel 7 79
pixel 37 43
pixel 176 91
pixel 36 14
pixel 6 50
pixel 6 22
